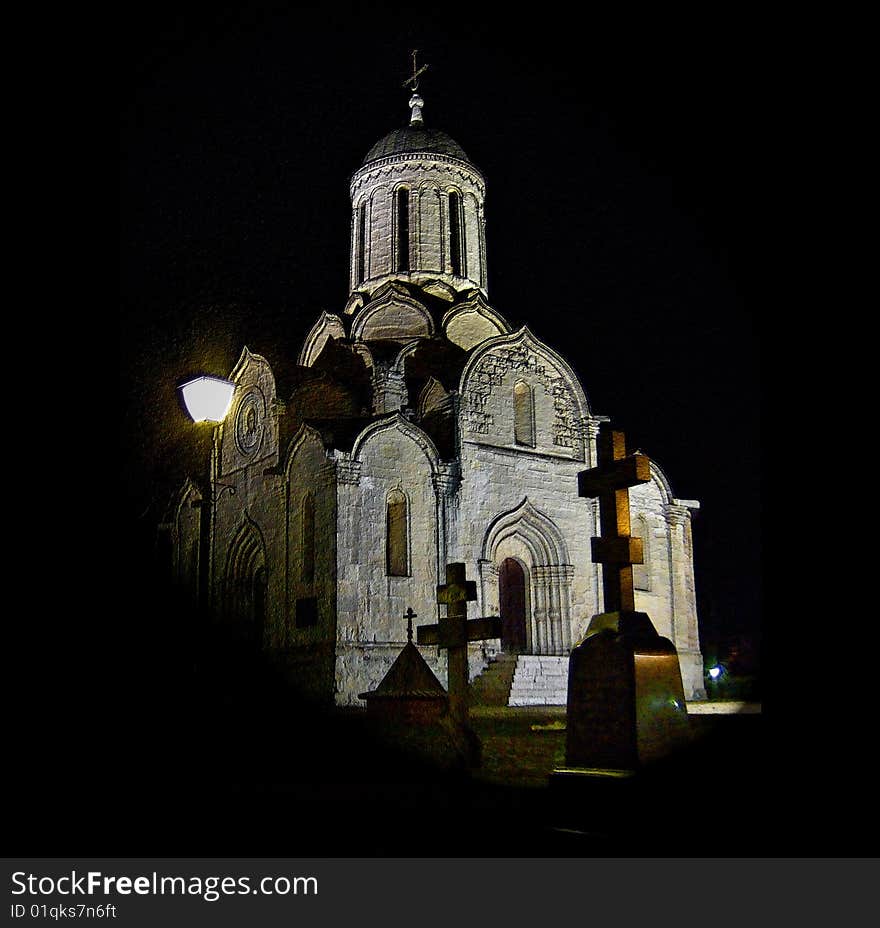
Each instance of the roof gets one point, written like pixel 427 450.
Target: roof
pixel 415 138
pixel 409 678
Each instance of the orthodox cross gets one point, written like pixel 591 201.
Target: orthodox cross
pixel 414 80
pixel 409 615
pixel 454 631
pixel 615 550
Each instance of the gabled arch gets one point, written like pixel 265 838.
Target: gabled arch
pixel 407 428
pixel 190 492
pixel 660 480
pixel 433 396
pixel 247 359
pixel 539 533
pixel 525 339
pixel 305 434
pixel 440 289
pixel 392 316
pixel 329 325
pixel 186 534
pixel 471 322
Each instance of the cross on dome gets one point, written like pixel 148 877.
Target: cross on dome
pixel 415 101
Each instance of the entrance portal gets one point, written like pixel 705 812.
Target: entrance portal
pixel 512 605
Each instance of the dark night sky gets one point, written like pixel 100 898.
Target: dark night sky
pixel 619 164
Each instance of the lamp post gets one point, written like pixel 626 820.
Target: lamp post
pixel 207 399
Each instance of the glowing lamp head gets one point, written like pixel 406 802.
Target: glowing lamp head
pixel 715 672
pixel 207 399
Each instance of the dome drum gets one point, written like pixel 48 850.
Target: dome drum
pixel 418 216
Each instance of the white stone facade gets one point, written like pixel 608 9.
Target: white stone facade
pixel 419 430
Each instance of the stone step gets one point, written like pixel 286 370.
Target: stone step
pixel 539 680
pixel 492 686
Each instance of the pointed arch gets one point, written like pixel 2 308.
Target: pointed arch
pixel 186 537
pixel 403 425
pixel 245 581
pixel 328 326
pixel 473 321
pixel 661 481
pixel 433 396
pixel 246 359
pixel 304 435
pixel 392 315
pixel 531 538
pixel 524 339
pixel 560 404
pixel 540 534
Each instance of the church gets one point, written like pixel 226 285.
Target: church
pixel 416 428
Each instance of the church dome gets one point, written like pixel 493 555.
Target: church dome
pixel 413 138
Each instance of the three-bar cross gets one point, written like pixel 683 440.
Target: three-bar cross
pixel 615 550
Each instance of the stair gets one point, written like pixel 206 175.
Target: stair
pixel 492 686
pixel 539 680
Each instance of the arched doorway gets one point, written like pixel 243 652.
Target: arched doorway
pixel 532 541
pixel 246 587
pixel 512 605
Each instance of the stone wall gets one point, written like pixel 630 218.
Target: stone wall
pixel 429 179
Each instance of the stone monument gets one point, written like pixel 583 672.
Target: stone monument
pixel 626 705
pixel 453 632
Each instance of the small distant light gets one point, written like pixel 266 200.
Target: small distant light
pixel 715 672
pixel 208 399
pixel 676 704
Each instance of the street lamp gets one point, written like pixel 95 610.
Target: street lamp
pixel 207 399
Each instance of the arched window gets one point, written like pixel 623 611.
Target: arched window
pixel 642 572
pixel 402 229
pixel 456 234
pixel 396 541
pixel 362 244
pixel 523 414
pixel 307 540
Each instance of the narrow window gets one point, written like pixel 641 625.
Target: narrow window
pixel 642 572
pixel 362 245
pixel 403 229
pixel 307 612
pixel 307 565
pixel 523 414
pixel 396 553
pixel 456 242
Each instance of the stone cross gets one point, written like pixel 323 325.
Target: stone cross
pixel 454 631
pixel 414 80
pixel 615 550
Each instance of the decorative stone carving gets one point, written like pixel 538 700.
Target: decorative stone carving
pixel 447 479
pixel 348 471
pixel 491 370
pixel 249 420
pixel 389 389
pixel 675 514
pixel 393 166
